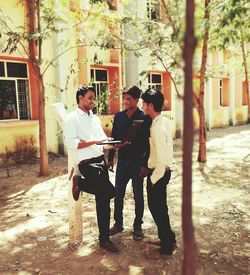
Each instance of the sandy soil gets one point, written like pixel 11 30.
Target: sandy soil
pixel 34 218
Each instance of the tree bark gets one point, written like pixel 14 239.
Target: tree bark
pixel 202 155
pixel 44 167
pixel 244 56
pixel 32 21
pixel 189 260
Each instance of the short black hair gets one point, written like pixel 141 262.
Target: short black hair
pixel 133 91
pixel 82 90
pixel 155 97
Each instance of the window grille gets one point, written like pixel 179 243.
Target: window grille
pixel 14 91
pixel 155 81
pixel 23 98
pixel 153 10
pixel 99 79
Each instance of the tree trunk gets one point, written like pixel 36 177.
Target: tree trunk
pixel 202 156
pixel 44 167
pixel 244 56
pixel 31 16
pixel 189 260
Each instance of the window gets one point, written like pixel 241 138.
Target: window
pixel 99 79
pixel 14 91
pixel 155 81
pixel 224 92
pixel 153 10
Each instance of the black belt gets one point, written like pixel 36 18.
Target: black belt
pixel 92 160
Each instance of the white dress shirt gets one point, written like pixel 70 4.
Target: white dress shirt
pixel 161 147
pixel 80 126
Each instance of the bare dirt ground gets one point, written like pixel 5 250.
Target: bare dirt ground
pixel 34 218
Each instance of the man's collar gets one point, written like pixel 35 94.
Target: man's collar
pixel 82 113
pixel 136 111
pixel 156 118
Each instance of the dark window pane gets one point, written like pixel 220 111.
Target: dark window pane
pixel 156 78
pixel 101 75
pixel 8 102
pixel 16 69
pixel 92 74
pixel 2 69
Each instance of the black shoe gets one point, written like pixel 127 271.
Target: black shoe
pixel 168 249
pixel 138 234
pixel 108 245
pixel 75 188
pixel 115 229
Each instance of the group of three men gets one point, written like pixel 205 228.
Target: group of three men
pixel 149 154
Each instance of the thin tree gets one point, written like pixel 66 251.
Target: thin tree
pixel 202 155
pixel 34 25
pixel 189 260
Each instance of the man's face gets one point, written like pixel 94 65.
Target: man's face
pixel 129 102
pixel 147 108
pixel 87 101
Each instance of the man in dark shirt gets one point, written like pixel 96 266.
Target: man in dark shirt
pixel 130 158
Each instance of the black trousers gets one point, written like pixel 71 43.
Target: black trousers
pixel 97 182
pixel 157 203
pixel 126 170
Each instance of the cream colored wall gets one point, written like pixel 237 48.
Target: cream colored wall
pixel 13 133
pixel 220 117
pixel 50 97
pixel 18 128
pixel 16 132
pixel 103 55
pixel 16 13
pixel 240 112
pixel 238 91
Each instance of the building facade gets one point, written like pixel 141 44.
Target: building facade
pixel 19 99
pixel 109 70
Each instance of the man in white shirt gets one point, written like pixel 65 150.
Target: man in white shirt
pixel 83 132
pixel 159 162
